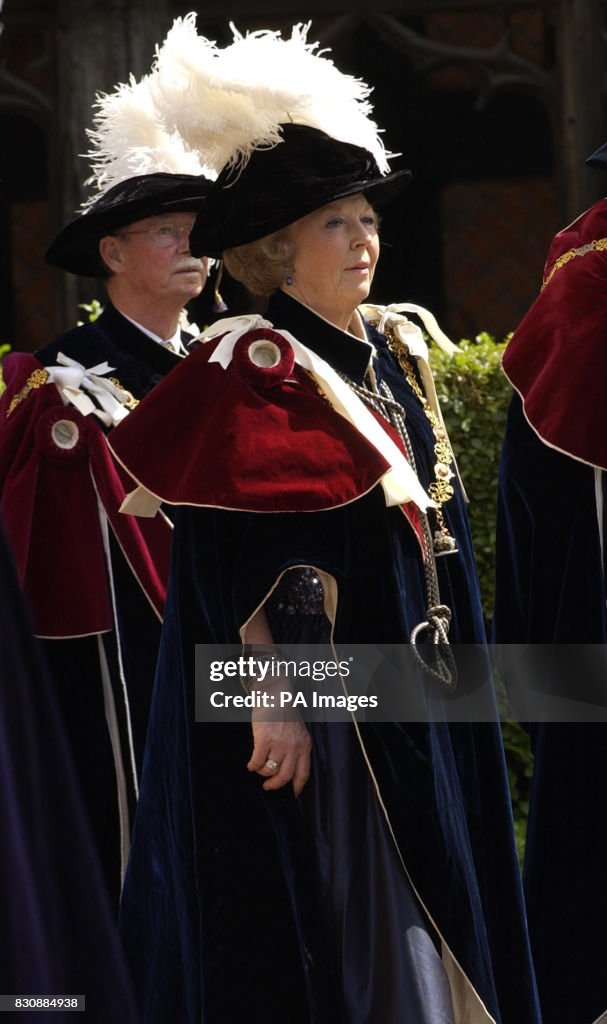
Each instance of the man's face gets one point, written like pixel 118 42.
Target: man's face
pixel 151 257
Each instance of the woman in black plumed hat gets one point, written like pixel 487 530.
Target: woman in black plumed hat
pixel 322 871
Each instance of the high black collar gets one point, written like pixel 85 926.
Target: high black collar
pixel 341 350
pixel 134 342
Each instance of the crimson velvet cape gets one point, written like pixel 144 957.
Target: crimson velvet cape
pixel 241 904
pixel 550 593
pixel 87 591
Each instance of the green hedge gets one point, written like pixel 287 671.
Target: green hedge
pixel 4 349
pixel 474 396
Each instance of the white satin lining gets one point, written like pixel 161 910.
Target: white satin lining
pixel 598 491
pixel 103 523
pixel 114 734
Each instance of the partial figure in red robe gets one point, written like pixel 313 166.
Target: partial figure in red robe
pixel 551 604
pixel 95 581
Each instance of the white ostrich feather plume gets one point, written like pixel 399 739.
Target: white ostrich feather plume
pixel 128 139
pixel 202 107
pixel 226 103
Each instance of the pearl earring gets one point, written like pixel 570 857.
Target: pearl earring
pixel 289 279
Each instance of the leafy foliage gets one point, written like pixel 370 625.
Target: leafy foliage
pixel 474 395
pixel 4 350
pixel 93 310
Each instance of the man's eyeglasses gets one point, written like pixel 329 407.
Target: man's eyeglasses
pixel 165 235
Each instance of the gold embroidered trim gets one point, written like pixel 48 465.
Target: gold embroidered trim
pixel 597 245
pixel 36 379
pixel 131 402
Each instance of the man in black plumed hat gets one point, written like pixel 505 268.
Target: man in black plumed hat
pixel 94 585
pixel 136 237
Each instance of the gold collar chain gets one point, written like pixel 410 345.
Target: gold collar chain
pixel 441 490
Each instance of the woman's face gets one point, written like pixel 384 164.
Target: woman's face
pixel 335 253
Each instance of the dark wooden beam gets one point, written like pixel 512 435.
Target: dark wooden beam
pixel 581 124
pixel 302 11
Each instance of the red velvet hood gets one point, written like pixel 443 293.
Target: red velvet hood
pixel 557 357
pixel 50 501
pixel 283 447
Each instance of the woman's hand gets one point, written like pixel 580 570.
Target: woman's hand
pixel 281 748
pixel 285 743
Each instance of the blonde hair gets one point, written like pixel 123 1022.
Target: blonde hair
pixel 262 265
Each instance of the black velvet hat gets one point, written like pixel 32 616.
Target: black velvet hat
pixel 280 184
pixel 76 247
pixel 598 159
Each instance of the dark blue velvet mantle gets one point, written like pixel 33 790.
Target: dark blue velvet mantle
pixel 58 931
pixel 550 590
